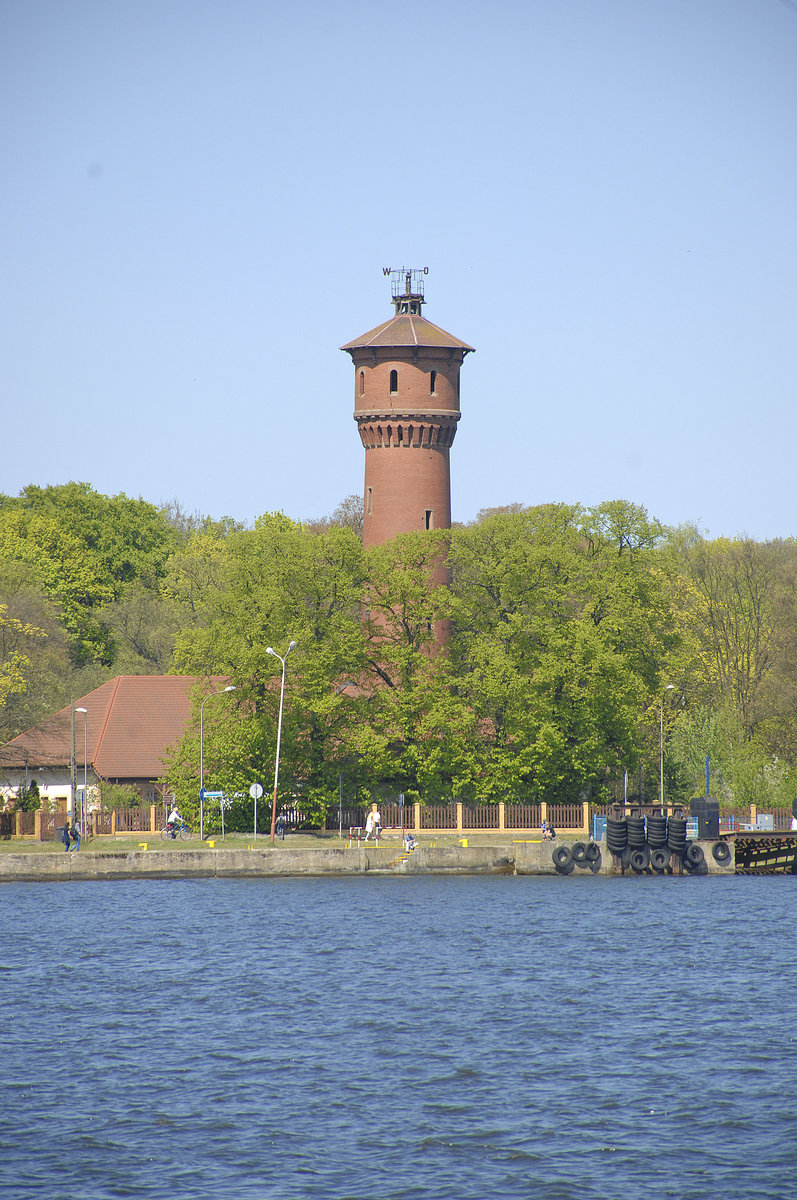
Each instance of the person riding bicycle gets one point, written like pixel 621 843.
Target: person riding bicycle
pixel 174 820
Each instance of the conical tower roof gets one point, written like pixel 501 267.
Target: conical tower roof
pixel 407 329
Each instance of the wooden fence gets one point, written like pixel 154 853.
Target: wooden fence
pixel 43 825
pixel 516 818
pixel 148 819
pixel 459 818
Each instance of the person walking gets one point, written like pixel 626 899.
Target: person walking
pixel 373 824
pixel 65 835
pixel 75 832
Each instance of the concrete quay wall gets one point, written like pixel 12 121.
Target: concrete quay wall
pixel 513 859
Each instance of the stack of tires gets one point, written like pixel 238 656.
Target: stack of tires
pixel 657 831
pixel 676 835
pixel 657 841
pixel 652 843
pixel 616 835
pixel 638 845
pixel 690 853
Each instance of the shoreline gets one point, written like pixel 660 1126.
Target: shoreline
pixel 523 858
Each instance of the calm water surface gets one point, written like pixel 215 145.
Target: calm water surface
pixel 439 1039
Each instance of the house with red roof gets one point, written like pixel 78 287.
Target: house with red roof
pixel 120 733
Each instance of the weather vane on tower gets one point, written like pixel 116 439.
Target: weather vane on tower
pixel 406 287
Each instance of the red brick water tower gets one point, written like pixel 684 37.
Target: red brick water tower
pixel 406 405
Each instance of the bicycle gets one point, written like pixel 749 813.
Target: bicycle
pixel 171 834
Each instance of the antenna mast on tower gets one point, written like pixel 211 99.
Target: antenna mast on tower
pixel 406 288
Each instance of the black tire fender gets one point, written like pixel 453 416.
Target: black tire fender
pixel 721 852
pixel 660 859
pixel 562 857
pixel 579 852
pixel 694 854
pixel 639 860
pixel 592 852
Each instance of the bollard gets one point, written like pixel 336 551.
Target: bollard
pixel 143 845
pixel 211 844
pixel 463 842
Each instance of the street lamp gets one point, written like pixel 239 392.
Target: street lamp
pixel 669 688
pixel 347 683
pixel 231 688
pixel 85 712
pixel 271 650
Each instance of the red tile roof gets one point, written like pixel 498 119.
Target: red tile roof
pixel 407 329
pixel 131 721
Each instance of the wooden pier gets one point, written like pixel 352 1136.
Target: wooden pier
pixel 765 852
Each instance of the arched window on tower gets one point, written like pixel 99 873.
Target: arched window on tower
pixel 432 382
pixel 393 382
pixel 362 383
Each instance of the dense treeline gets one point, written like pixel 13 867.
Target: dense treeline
pixel 566 627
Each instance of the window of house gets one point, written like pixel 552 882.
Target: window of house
pixel 428 518
pixel 432 382
pixel 394 381
pixel 362 383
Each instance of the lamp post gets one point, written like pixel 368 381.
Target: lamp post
pixel 347 683
pixel 669 688
pixel 231 688
pixel 271 650
pixel 85 712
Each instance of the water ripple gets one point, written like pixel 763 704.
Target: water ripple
pixel 506 1038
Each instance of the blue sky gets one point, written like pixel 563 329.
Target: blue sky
pixel 199 198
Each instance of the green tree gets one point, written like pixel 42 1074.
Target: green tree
pixel 126 539
pixel 561 622
pixel 266 587
pixel 414 734
pixel 347 515
pixel 738 615
pixel 119 795
pixel 15 639
pixel 143 626
pixel 734 585
pixel 85 549
pixel 29 798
